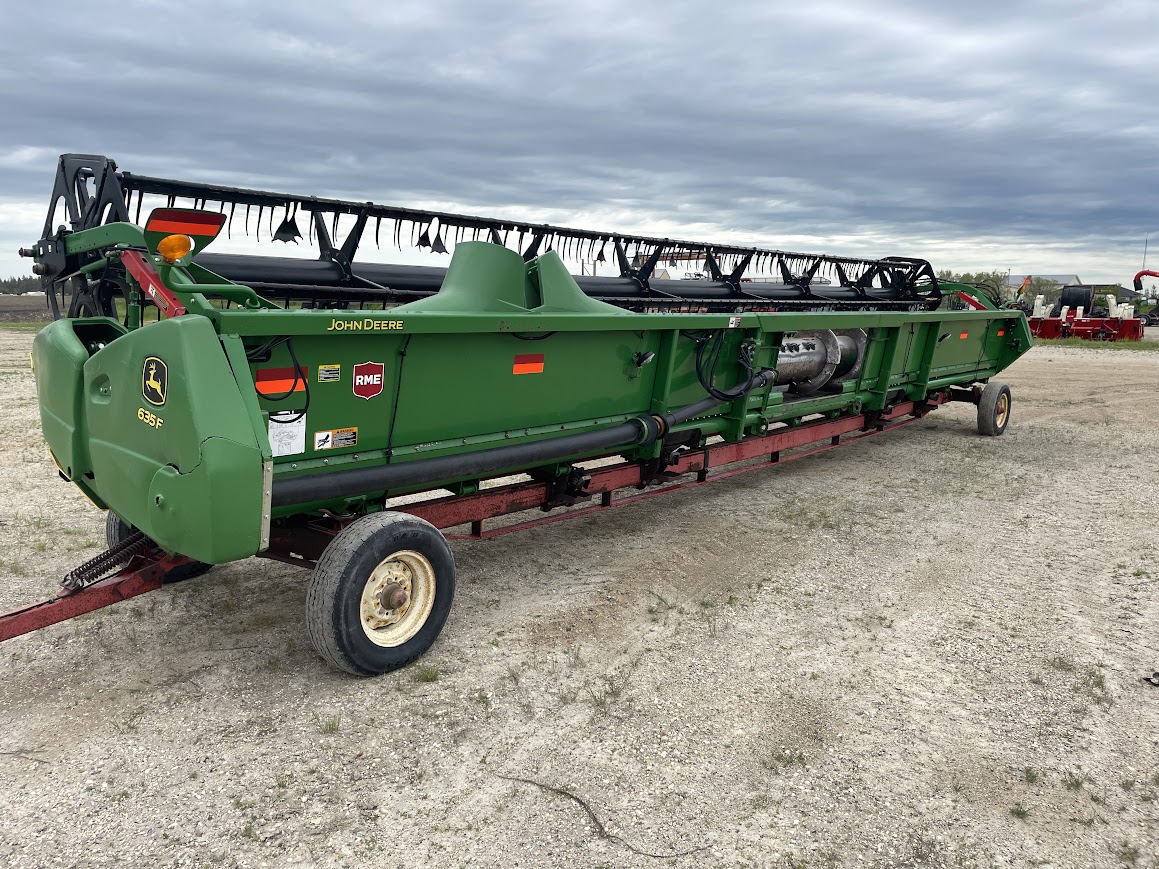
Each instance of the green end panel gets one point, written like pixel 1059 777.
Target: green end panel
pixel 489 278
pixel 211 513
pixel 58 357
pixel 177 431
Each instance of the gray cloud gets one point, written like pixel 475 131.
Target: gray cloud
pixel 970 133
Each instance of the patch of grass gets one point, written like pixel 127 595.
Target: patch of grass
pixel 328 725
pixel 1030 775
pixel 1073 781
pixel 1019 811
pixel 22 327
pixel 1061 664
pixel 1082 344
pixel 783 758
pixel 1127 784
pixel 427 674
pixel 1127 852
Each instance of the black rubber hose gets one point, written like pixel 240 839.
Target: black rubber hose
pixel 639 431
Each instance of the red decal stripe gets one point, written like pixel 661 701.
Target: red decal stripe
pixel 173 227
pixel 210 219
pixel 528 363
pixel 276 381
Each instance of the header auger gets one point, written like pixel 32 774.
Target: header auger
pixel 235 426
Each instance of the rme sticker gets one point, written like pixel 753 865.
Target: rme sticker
pixel 335 439
pixel 367 381
pixel 329 373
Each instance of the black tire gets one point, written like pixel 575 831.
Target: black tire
pixel 994 409
pixel 117 529
pixel 348 620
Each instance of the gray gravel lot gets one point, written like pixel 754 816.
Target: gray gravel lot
pixel 922 650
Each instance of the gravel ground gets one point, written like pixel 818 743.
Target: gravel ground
pixel 922 650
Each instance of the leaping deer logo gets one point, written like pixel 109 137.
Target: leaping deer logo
pixel 153 380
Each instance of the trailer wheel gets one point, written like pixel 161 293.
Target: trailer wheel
pixel 117 529
pixel 994 409
pixel 380 594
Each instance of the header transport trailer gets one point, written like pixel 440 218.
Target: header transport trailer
pixel 224 406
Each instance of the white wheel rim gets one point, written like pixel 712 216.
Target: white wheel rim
pixel 1003 410
pixel 398 598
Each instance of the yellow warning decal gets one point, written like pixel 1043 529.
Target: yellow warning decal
pixel 336 438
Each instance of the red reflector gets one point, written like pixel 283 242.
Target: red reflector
pixel 185 221
pixel 964 335
pixel 278 381
pixel 1001 332
pixel 528 363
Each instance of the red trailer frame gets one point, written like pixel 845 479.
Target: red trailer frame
pixel 302 542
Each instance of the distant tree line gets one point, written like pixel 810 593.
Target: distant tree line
pixel 15 286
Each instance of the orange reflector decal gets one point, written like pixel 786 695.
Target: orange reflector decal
pixel 279 381
pixel 185 221
pixel 1001 332
pixel 528 363
pixel 964 335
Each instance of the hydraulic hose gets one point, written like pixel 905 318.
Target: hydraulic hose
pixel 636 432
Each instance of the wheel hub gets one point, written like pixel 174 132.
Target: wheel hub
pixel 392 597
pixel 397 598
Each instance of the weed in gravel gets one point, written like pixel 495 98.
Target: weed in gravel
pixel 1061 664
pixel 574 659
pixel 427 674
pixel 16 568
pixel 1073 781
pixel 327 725
pixel 1127 784
pixel 1127 852
pixel 1019 811
pixel 513 673
pixel 1095 684
pixel 248 831
pixel 1030 775
pixel 783 758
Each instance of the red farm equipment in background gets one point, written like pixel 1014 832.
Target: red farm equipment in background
pixel 1074 316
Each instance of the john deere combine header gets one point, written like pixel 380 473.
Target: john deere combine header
pixel 223 406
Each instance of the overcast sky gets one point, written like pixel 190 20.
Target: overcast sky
pixel 979 135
